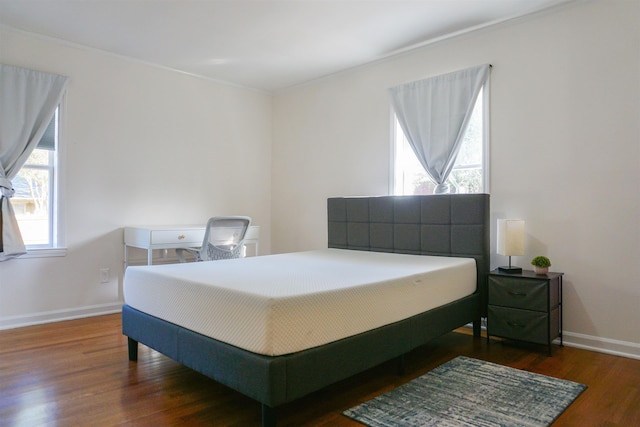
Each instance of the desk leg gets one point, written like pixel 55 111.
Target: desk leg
pixel 149 256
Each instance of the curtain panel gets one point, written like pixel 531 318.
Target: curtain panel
pixel 434 113
pixel 28 100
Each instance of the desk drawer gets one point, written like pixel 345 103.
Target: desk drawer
pixel 177 237
pixel 518 324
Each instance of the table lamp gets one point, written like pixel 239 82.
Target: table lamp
pixel 510 242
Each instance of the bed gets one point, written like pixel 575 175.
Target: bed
pixel 446 229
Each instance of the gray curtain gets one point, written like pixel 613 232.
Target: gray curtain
pixel 28 101
pixel 434 113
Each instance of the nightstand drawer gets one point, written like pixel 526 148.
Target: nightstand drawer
pixel 518 293
pixel 519 324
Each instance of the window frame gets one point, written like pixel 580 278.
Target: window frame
pixel 486 136
pixel 57 247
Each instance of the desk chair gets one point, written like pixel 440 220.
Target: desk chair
pixel 223 239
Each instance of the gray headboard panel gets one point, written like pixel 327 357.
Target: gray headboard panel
pixel 445 225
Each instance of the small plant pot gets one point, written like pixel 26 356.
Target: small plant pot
pixel 540 270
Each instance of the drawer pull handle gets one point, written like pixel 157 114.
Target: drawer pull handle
pixel 517 294
pixel 516 324
pixel 182 236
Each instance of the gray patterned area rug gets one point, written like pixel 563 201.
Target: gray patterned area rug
pixel 470 392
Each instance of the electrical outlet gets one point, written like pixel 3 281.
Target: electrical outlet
pixel 104 275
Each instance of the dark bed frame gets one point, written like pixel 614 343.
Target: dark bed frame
pixel 446 225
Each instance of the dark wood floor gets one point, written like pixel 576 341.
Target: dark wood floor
pixel 76 373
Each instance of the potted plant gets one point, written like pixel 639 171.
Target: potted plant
pixel 541 264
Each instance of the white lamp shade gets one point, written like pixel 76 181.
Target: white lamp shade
pixel 511 237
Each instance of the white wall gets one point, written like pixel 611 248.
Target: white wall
pixel 565 151
pixel 143 145
pixel 565 154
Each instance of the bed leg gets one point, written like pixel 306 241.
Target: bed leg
pixel 401 365
pixel 133 349
pixel 268 416
pixel 477 327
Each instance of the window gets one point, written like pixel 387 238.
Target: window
pixel 469 174
pixel 35 199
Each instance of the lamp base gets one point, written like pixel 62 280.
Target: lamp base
pixel 510 270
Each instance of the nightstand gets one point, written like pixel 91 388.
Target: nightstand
pixel 525 306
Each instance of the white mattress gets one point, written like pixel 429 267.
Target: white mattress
pixel 280 304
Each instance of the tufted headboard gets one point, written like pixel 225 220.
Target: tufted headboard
pixel 444 225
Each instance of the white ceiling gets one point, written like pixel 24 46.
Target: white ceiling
pixel 263 44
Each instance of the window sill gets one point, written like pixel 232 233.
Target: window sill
pixel 44 253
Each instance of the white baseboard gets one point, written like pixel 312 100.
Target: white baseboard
pixel 602 345
pixel 570 339
pixel 11 322
pixel 589 342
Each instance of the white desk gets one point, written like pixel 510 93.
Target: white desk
pixel 172 237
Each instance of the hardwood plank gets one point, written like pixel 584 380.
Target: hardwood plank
pixel 77 373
